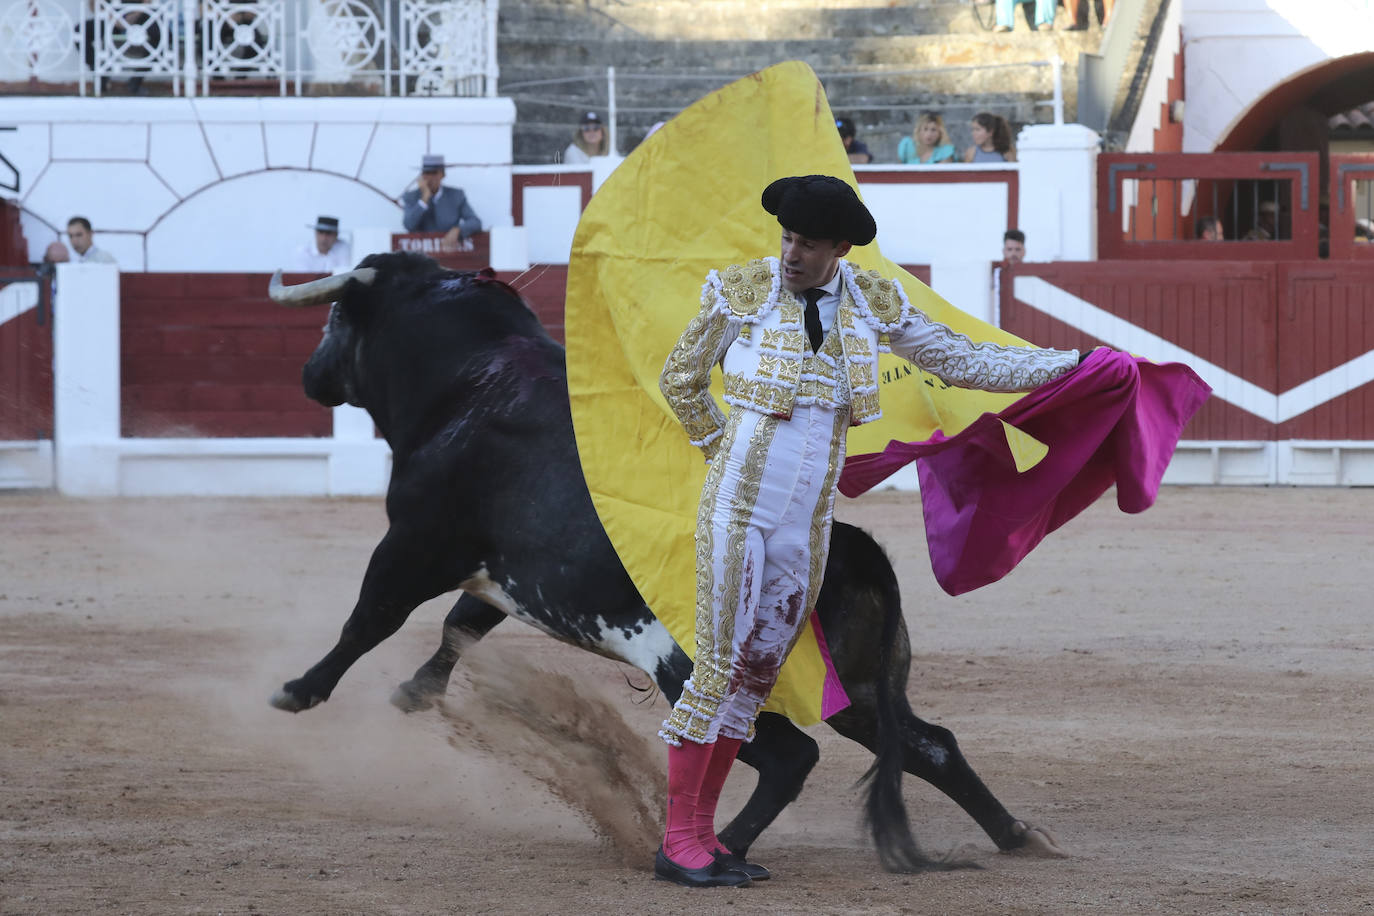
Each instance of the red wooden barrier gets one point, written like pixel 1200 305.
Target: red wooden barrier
pixel 1268 330
pixel 26 365
pixel 209 355
pixel 1324 320
pixel 14 250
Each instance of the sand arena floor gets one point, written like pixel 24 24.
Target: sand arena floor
pixel 1185 698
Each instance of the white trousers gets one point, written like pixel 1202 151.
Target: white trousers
pixel 763 532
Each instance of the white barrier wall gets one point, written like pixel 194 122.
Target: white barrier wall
pixel 954 226
pixel 1238 51
pixel 232 184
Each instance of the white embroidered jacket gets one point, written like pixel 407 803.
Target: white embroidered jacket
pixel 753 327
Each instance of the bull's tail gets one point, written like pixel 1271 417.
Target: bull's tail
pixel 884 810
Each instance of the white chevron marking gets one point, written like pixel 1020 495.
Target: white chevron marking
pixel 1103 325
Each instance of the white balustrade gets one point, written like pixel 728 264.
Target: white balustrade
pixel 392 47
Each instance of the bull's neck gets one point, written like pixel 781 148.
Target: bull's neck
pixel 444 401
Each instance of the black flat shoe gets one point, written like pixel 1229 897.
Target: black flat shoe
pixel 713 875
pixel 733 862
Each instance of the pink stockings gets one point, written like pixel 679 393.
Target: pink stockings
pixel 696 775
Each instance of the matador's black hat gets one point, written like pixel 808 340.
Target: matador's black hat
pixel 820 207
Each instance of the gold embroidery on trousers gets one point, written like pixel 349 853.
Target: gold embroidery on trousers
pixel 692 715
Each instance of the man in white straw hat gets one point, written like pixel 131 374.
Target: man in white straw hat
pixel 433 206
pixel 327 254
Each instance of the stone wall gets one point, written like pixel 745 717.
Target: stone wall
pixel 882 64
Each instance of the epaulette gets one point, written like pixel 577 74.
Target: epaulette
pixel 883 297
pixel 750 290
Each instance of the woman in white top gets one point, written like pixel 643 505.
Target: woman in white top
pixel 590 140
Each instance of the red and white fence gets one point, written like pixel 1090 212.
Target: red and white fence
pixel 1288 348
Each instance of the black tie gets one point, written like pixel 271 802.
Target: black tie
pixel 813 318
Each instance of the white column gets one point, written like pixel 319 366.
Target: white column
pixel 966 285
pixel 86 379
pixel 509 248
pixel 359 462
pixel 1058 191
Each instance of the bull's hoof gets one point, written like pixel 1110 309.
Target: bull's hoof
pixel 411 697
pixel 1036 841
pixel 289 701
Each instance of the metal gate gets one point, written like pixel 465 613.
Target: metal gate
pixel 26 379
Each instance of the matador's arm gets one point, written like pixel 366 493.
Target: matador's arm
pixel 686 378
pixel 957 360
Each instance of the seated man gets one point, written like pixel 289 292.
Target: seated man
pixel 854 148
pixel 327 254
pixel 435 207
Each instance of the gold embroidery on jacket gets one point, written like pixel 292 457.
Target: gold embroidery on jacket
pixel 685 381
pixel 747 288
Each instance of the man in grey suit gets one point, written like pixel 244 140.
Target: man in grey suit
pixel 435 207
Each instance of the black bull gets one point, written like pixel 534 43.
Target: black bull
pixel 487 496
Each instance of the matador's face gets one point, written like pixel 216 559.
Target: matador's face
pixel 809 262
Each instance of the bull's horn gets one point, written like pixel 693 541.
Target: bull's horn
pixel 325 289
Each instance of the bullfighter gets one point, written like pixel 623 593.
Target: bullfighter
pixel 798 338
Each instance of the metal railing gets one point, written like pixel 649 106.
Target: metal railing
pixel 395 47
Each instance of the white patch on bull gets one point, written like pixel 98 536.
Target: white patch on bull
pixel 481 586
pixel 644 649
pixel 935 753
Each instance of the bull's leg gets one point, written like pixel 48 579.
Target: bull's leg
pixel 931 753
pixel 783 755
pixel 403 573
pixel 467 623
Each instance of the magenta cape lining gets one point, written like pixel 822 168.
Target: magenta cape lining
pixel 1116 419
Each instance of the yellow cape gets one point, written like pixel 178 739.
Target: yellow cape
pixel 687 201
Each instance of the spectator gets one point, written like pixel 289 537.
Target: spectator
pixel 436 207
pixel 56 254
pixel 929 142
pixel 1044 14
pixel 1013 253
pixel 1013 247
pixel 1269 220
pixel 83 243
pixel 326 254
pixel 1209 229
pixel 856 149
pixel 1364 230
pixel 991 139
pixel 590 140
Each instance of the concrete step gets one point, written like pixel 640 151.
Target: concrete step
pixel 728 19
